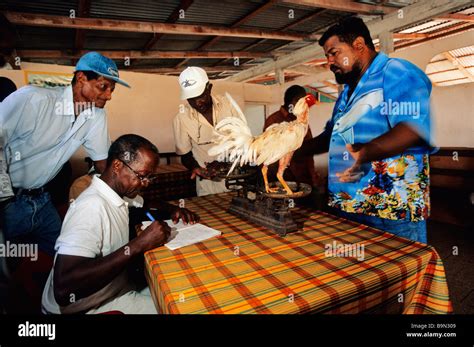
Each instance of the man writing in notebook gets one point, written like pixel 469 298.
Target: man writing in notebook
pixel 93 249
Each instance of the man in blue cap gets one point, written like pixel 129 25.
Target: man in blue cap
pixel 42 129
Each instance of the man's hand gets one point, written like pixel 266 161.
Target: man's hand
pixel 355 172
pixel 185 215
pixel 394 142
pixel 201 172
pixel 155 235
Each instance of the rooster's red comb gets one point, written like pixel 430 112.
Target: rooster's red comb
pixel 310 99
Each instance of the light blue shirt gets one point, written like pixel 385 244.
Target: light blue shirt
pixel 390 92
pixel 41 133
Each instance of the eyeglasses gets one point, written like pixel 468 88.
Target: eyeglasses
pixel 143 179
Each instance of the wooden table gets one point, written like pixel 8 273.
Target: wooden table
pixel 249 269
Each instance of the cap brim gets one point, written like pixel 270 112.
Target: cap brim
pixel 188 94
pixel 114 78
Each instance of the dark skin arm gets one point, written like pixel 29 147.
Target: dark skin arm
pixel 394 142
pixel 100 165
pixel 81 276
pixel 316 145
pixel 192 165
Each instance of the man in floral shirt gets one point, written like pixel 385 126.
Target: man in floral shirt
pixel 378 136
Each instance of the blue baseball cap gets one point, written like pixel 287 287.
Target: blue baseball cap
pixel 101 65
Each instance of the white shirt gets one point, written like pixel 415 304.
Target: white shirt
pixel 96 225
pixel 192 132
pixel 41 133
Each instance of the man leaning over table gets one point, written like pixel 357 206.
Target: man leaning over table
pixel 378 136
pixel 42 128
pixel 93 250
pixel 194 127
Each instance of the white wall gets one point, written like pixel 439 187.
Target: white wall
pixel 452 115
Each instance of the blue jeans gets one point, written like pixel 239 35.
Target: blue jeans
pixel 31 219
pixel 415 231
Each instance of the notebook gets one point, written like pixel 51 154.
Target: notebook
pixel 185 235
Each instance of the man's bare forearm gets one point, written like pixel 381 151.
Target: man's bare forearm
pixel 189 162
pixel 316 145
pixel 392 143
pixel 81 277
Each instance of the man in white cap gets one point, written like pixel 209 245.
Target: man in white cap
pixel 42 129
pixel 194 127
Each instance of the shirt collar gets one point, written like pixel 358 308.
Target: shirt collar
pixel 107 191
pixel 378 63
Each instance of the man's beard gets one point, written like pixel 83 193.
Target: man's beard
pixel 348 77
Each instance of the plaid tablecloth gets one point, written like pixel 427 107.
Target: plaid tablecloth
pixel 249 269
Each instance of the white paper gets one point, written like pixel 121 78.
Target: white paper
pixel 184 235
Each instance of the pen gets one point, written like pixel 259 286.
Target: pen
pixel 150 216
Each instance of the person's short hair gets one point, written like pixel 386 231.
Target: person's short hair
pixel 7 86
pixel 347 30
pixel 90 75
pixel 293 92
pixel 126 148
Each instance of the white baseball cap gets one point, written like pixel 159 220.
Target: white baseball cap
pixel 192 81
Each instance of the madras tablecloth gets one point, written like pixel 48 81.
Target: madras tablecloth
pixel 249 269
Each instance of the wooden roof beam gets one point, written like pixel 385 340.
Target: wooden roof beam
pixel 286 27
pixel 57 54
pixel 168 70
pixel 457 64
pixel 173 18
pixel 44 20
pixel 457 16
pixel 453 29
pixel 244 19
pixel 410 36
pixel 306 69
pixel 344 6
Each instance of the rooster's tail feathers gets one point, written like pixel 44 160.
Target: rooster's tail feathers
pixel 234 139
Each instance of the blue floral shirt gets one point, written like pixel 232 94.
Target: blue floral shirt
pixel 391 91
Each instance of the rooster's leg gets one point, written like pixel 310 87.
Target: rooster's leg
pixel 265 180
pixel 283 163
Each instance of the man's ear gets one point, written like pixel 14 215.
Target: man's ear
pixel 116 166
pixel 81 77
pixel 359 44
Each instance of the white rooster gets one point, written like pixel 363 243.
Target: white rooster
pixel 277 143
